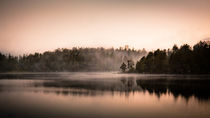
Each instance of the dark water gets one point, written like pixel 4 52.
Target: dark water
pixel 103 95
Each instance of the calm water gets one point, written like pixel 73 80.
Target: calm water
pixel 103 95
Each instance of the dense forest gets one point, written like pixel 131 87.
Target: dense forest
pixel 183 60
pixel 178 60
pixel 75 59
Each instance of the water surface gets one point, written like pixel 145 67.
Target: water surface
pixel 105 95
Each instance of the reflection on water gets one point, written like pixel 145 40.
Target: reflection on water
pixel 103 95
pixel 198 88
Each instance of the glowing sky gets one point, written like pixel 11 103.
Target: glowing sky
pixel 28 26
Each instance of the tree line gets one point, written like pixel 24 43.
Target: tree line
pixel 75 59
pixel 178 60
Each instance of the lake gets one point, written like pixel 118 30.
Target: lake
pixel 103 95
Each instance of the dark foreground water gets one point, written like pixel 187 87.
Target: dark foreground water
pixel 103 95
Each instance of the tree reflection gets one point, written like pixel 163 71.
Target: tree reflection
pixel 198 88
pixel 186 88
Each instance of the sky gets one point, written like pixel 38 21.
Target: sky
pixel 28 26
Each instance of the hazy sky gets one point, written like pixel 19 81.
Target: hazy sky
pixel 28 26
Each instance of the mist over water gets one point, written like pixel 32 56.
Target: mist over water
pixel 64 59
pixel 71 60
pixel 104 94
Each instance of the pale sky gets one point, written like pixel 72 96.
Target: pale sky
pixel 28 26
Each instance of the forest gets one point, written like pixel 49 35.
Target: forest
pixel 178 60
pixel 75 59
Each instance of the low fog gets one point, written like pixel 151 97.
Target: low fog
pixel 75 59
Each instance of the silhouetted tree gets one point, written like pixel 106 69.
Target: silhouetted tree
pixel 8 63
pixel 201 55
pixel 140 65
pixel 123 67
